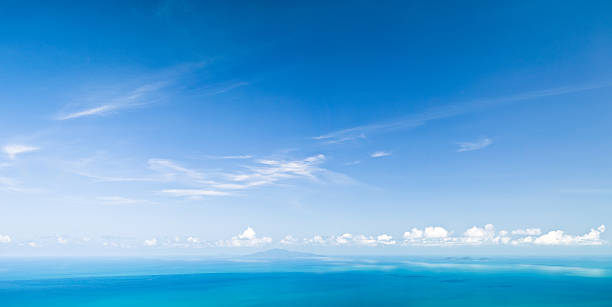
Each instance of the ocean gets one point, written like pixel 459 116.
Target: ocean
pixel 324 281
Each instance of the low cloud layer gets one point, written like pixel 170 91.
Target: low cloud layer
pixel 432 236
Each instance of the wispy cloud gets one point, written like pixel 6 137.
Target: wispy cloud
pixel 229 87
pixel 141 95
pixel 12 185
pixel 12 150
pixel 170 169
pixel 380 154
pixel 416 120
pixel 470 146
pixel 192 183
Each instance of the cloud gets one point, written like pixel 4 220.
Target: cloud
pixel 62 240
pixel 385 239
pixel 470 146
pixel 268 171
pixel 289 240
pixel 475 235
pixel 380 154
pixel 12 150
pixel 344 238
pixel 527 231
pixel 435 232
pixel 248 238
pixel 170 168
pixel 5 239
pixel 416 120
pixel 12 185
pixel 151 242
pixel 559 237
pixel 120 100
pixel 350 239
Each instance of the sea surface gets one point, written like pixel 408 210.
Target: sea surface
pixel 324 281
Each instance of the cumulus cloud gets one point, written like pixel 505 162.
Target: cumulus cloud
pixel 527 231
pixel 5 239
pixel 385 239
pixel 470 146
pixel 559 237
pixel 350 239
pixel 12 150
pixel 344 238
pixel 435 232
pixel 247 238
pixel 289 240
pixel 435 235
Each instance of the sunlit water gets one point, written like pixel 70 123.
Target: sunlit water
pixel 399 281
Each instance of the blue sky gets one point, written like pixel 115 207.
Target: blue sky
pixel 177 127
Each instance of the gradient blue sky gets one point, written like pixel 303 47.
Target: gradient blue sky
pixel 349 126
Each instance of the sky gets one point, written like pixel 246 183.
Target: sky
pixel 394 127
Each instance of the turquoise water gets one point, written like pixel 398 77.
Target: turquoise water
pixel 311 282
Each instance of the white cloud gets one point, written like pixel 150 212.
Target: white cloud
pixel 435 232
pixel 12 185
pixel 385 239
pixel 12 150
pixel 247 238
pixel 364 240
pixel 62 240
pixel 264 172
pixel 470 146
pixel 123 99
pixel 475 235
pixel 415 233
pixel 559 237
pixel 289 240
pixel 32 244
pixel 171 168
pixel 151 242
pixel 478 235
pixel 270 171
pixel 88 112
pixel 380 154
pixel 344 238
pixel 527 232
pixel 350 239
pixel 5 239
pixel 415 120
pixel 317 239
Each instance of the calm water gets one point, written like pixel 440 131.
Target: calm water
pixel 324 282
